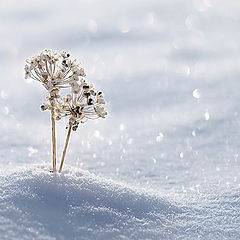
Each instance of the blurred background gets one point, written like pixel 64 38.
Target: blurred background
pixel 170 74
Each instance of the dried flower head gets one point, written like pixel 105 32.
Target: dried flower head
pixel 82 104
pixel 54 70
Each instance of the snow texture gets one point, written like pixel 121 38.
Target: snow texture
pixel 78 205
pixel 165 162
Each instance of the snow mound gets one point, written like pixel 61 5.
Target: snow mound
pixel 37 204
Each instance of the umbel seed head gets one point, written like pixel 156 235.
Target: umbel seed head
pixel 53 69
pixel 59 73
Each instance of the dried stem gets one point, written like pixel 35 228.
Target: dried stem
pixel 66 145
pixel 53 140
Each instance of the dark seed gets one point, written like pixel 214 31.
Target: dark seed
pixel 87 94
pixel 90 101
pixel 75 126
pixel 93 93
pixel 43 107
pixel 77 109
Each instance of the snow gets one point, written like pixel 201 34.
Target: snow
pixel 76 204
pixel 165 162
pixel 36 204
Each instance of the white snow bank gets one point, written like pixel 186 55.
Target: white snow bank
pixel 36 204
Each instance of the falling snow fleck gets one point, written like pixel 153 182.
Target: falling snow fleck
pixel 97 134
pixel 185 69
pixel 6 110
pixel 32 151
pixel 159 138
pixel 124 29
pixel 122 127
pixel 3 95
pixel 196 93
pixel 130 141
pixel 206 115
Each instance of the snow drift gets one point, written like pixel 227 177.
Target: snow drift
pixel 36 204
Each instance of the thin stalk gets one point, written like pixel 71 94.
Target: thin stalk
pixel 53 140
pixel 66 145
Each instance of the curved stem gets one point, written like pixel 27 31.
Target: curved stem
pixel 53 140
pixel 66 145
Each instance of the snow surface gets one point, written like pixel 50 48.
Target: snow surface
pixel 165 163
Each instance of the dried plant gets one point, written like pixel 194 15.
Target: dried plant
pixel 82 104
pixel 58 72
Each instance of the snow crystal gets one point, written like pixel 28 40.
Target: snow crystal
pixel 32 151
pixel 122 127
pixel 124 29
pixel 160 137
pixel 196 93
pixel 3 95
pixel 206 115
pixel 5 110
